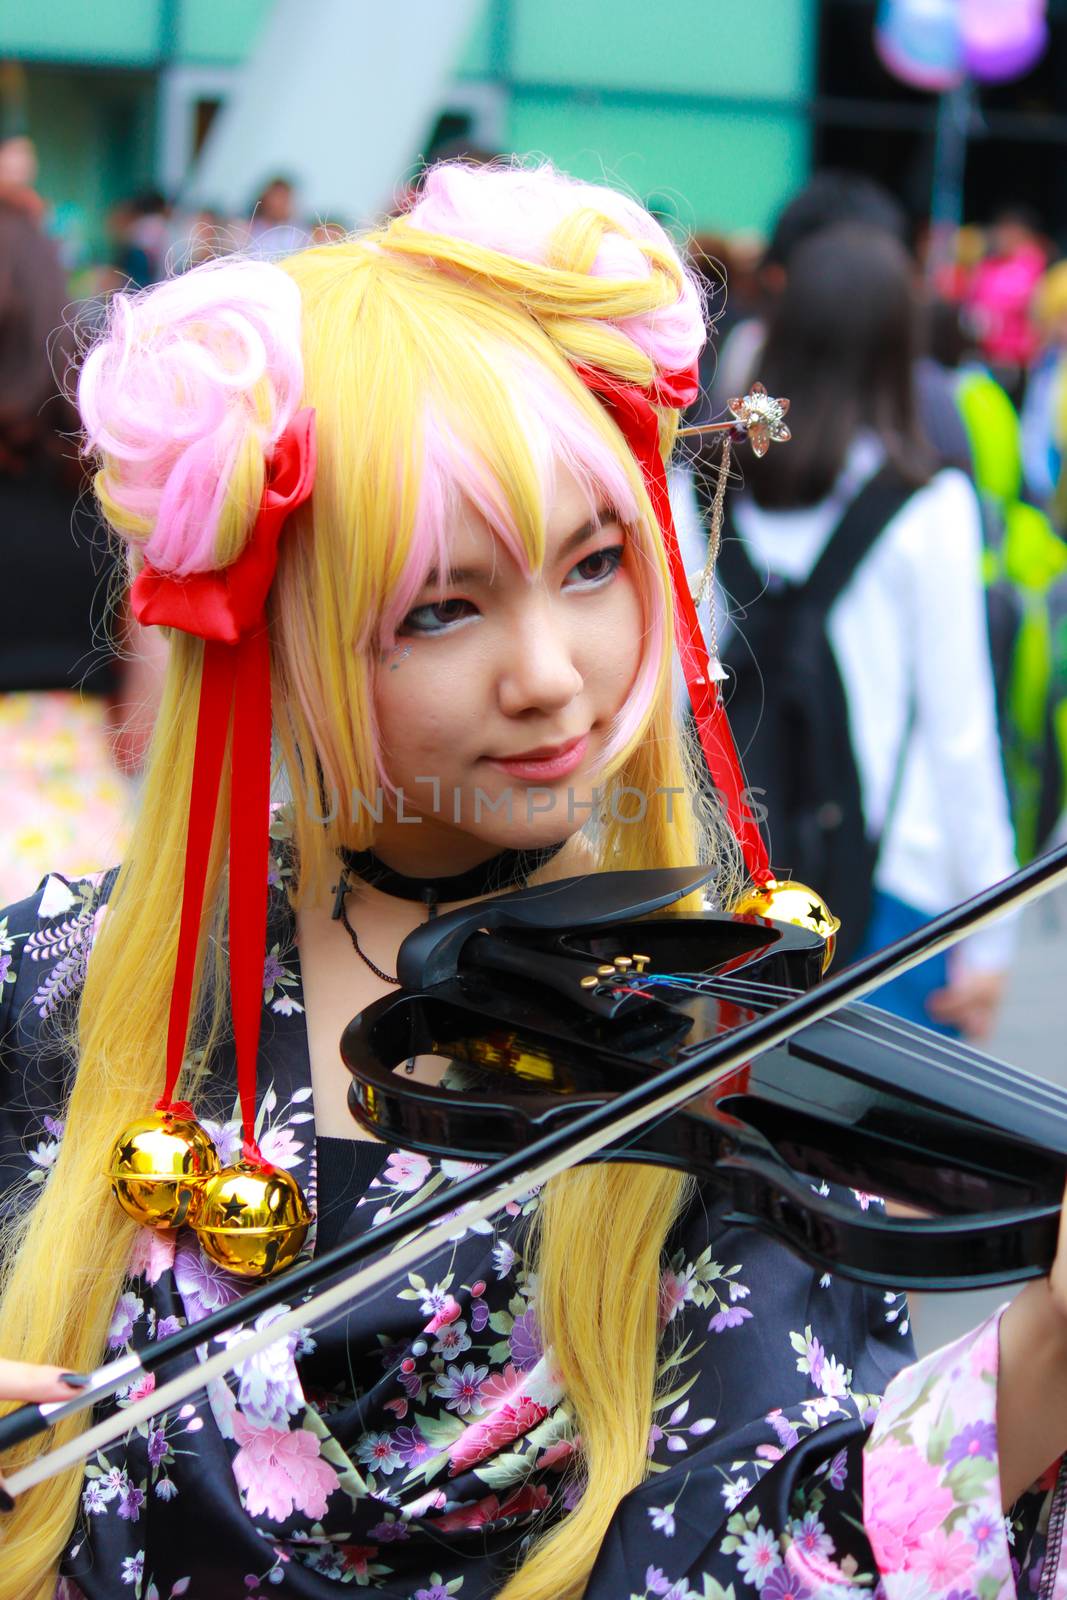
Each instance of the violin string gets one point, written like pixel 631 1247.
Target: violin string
pixel 952 1051
pixel 754 992
pixel 940 1054
pixel 992 1074
pixel 988 1069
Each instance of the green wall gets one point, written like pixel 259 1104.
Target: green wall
pixel 704 101
pixel 125 32
pixel 696 46
pixel 131 32
pixel 718 170
pixel 219 31
pixel 701 101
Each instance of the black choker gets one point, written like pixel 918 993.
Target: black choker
pixel 507 870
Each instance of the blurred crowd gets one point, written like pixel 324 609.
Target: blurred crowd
pixel 892 604
pixel 899 573
pixel 153 239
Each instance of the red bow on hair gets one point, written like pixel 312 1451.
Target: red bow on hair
pixel 227 609
pixel 633 409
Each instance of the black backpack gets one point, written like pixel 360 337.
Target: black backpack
pixel 787 708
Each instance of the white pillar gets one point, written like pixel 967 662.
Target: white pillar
pixel 340 96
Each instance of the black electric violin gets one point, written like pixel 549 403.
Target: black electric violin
pixel 679 1058
pixel 557 1000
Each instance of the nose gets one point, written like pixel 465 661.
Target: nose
pixel 539 668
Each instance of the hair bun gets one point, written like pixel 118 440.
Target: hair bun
pixel 538 215
pixel 183 397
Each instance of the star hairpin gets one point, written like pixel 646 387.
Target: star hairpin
pixel 756 416
pixel 762 417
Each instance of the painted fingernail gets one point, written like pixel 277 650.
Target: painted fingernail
pixel 6 1502
pixel 76 1380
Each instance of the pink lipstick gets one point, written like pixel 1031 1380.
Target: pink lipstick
pixel 547 764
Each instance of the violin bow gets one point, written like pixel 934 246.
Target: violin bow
pixel 415 1234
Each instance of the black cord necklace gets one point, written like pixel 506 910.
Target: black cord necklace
pixel 508 869
pixel 357 947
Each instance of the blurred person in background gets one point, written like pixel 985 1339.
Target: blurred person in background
pixel 829 199
pixel 328 230
pixel 728 269
pixel 1000 293
pixel 711 259
pixel 201 236
pixel 144 238
pixel 1024 567
pixel 950 270
pixel 63 794
pixel 907 631
pixel 18 177
pixel 272 231
pixel 1044 411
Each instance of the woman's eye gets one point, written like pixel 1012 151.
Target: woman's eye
pixel 599 566
pixel 436 617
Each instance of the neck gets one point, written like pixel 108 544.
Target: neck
pixel 427 846
pixel 501 871
pixel 425 858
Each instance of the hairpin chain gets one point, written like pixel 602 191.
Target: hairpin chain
pixel 759 418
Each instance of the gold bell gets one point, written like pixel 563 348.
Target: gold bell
pixel 158 1167
pixel 252 1220
pixel 794 903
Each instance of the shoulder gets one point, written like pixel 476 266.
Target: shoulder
pixel 949 493
pixel 45 942
pixel 941 518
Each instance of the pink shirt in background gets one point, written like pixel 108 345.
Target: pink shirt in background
pixel 999 301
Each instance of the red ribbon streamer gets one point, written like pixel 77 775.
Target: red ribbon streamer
pixel 633 411
pixel 227 609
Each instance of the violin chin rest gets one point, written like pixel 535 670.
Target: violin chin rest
pixel 431 953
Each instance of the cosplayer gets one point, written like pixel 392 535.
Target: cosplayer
pixel 610 1392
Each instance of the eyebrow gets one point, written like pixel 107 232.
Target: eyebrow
pixel 603 516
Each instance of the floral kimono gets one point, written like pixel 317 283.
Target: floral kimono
pixel 414 1445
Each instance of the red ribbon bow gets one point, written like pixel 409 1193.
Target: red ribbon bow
pixel 227 609
pixel 633 411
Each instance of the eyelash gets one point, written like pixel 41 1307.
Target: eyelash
pixel 613 554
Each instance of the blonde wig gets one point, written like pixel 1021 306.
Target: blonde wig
pixel 439 355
